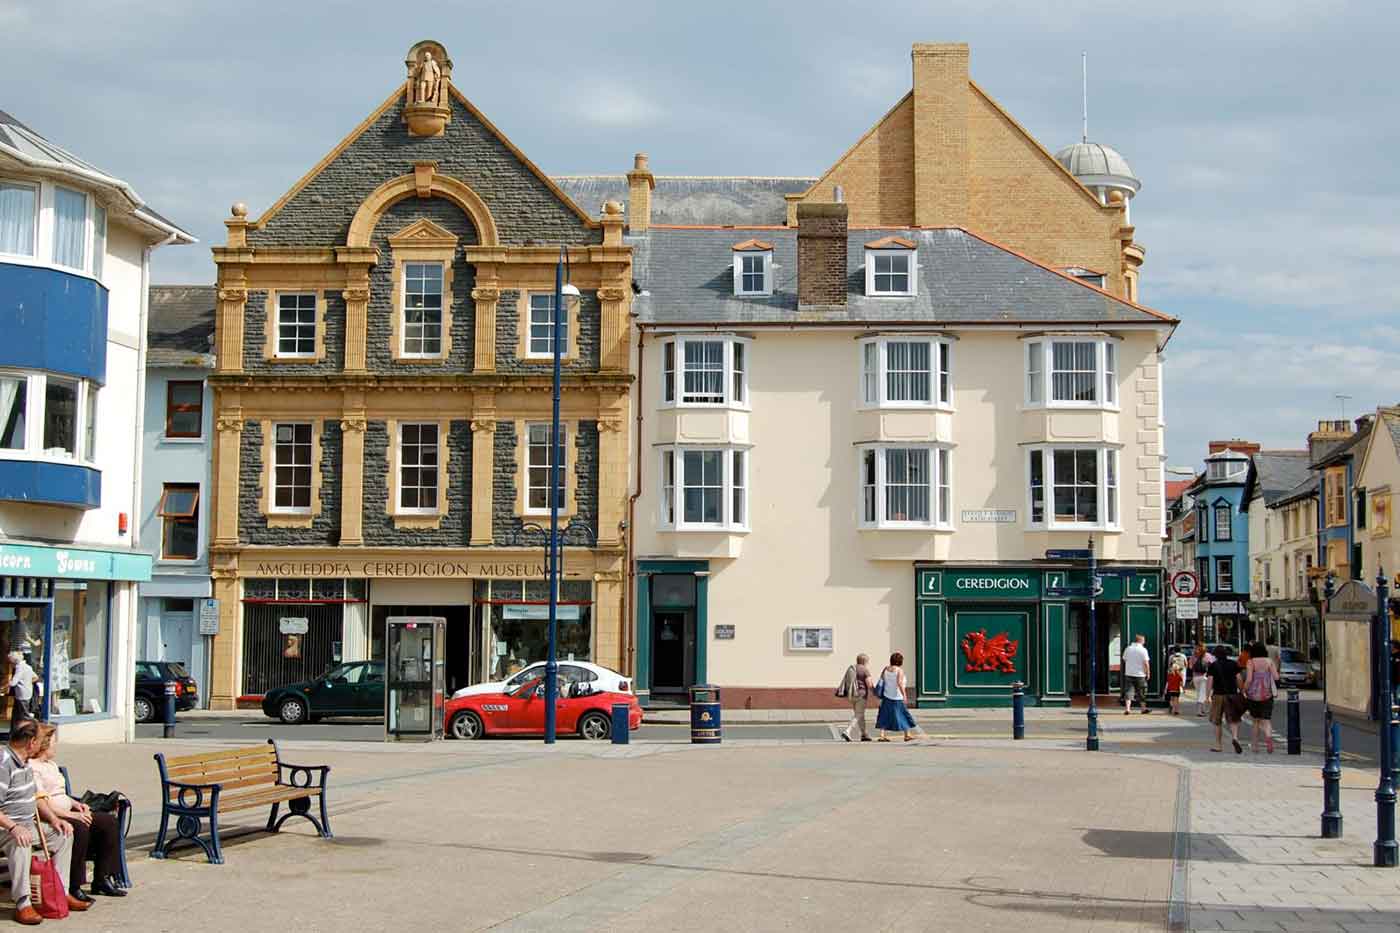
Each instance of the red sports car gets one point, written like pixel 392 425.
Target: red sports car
pixel 519 710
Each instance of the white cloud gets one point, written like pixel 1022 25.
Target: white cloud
pixel 614 105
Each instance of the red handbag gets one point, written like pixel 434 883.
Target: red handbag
pixel 46 891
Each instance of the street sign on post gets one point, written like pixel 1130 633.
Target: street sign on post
pixel 1185 583
pixel 209 617
pixel 1188 608
pixel 1068 554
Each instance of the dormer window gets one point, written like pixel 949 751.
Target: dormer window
pixel 1096 279
pixel 753 268
pixel 890 271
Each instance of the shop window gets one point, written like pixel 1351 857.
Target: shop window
pixel 520 636
pixel 179 512
pixel 79 653
pixel 184 409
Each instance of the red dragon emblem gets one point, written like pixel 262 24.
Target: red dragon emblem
pixel 990 654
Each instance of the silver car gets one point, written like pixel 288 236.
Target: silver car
pixel 1293 668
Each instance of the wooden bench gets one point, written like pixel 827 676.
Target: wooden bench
pixel 202 787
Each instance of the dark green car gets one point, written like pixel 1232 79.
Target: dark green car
pixel 353 689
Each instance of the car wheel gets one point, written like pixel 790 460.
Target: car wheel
pixel 466 725
pixel 595 726
pixel 292 711
pixel 144 709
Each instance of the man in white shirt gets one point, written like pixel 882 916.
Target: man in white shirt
pixel 1137 667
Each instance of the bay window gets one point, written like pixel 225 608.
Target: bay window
pixel 1073 487
pixel 705 371
pixel 906 487
pixel 704 488
pixel 906 372
pixel 14 407
pixel 70 230
pixel 46 416
pixel 1072 372
pixel 19 212
pixel 61 417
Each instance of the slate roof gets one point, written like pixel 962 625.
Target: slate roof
pixel 1350 447
pixel 686 277
pixel 180 326
pixel 1278 472
pixel 1392 424
pixel 24 145
pixel 1307 489
pixel 693 200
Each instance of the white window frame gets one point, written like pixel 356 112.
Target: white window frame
pixel 940 487
pixel 734 392
pixel 530 324
pixel 272 506
pixel 404 352
pixel 1109 485
pixel 400 466
pixel 874 393
pixel 911 254
pixel 765 258
pixel 563 491
pixel 1039 386
pixel 671 479
pixel 1215 511
pixel 297 325
pixel 36 400
pixel 1216 564
pixel 33 256
pixel 88 201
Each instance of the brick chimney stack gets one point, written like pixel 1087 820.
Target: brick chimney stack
pixel 941 97
pixel 1237 445
pixel 640 182
pixel 821 253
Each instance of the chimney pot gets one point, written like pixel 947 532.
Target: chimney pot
pixel 640 182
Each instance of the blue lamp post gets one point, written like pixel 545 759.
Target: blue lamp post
pixel 562 291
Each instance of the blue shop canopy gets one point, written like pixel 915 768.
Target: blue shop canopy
pixel 69 563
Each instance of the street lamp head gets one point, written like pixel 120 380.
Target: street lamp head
pixel 572 296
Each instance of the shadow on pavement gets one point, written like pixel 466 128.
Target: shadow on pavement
pixel 1144 844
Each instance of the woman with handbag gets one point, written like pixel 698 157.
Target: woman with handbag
pixel 894 715
pixel 1260 688
pixel 94 832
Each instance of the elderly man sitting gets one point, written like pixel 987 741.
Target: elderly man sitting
pixel 18 809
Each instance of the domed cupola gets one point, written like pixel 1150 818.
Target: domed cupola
pixel 1101 169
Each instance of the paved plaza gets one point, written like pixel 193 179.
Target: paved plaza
pixel 963 831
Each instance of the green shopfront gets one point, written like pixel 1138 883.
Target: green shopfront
pixel 59 608
pixel 980 629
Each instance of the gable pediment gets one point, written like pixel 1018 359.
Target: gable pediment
pixel 423 233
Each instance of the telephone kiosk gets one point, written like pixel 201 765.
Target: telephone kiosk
pixel 416 675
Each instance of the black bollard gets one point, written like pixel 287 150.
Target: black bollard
pixel 1332 782
pixel 1295 723
pixel 168 727
pixel 1018 710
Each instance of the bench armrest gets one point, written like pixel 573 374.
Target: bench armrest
pixel 190 796
pixel 302 775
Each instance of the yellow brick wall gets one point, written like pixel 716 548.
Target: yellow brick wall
pixel 876 173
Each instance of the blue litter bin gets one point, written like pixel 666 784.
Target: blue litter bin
pixel 705 728
pixel 620 714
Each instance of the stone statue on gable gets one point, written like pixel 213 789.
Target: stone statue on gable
pixel 428 80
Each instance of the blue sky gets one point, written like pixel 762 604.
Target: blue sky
pixel 1263 133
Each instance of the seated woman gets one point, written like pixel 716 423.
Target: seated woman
pixel 93 831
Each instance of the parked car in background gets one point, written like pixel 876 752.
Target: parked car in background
pixel 519 710
pixel 583 672
pixel 151 678
pixel 1293 667
pixel 352 689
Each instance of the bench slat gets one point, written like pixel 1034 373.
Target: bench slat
pixel 235 762
pixel 214 775
pixel 261 780
pixel 254 751
pixel 266 798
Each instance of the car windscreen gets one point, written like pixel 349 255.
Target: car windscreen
pixel 1290 656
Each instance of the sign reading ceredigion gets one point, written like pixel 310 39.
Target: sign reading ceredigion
pixel 979 584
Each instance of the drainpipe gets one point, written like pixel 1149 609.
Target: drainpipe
pixel 630 594
pixel 134 603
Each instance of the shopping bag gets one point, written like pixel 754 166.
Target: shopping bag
pixel 46 891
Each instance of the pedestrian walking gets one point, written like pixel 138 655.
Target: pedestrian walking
pixel 894 715
pixel 1137 667
pixel 21 689
pixel 1201 660
pixel 1226 704
pixel 855 686
pixel 1175 675
pixel 1260 689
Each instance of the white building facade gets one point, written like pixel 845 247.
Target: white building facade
pixel 75 248
pixel 856 440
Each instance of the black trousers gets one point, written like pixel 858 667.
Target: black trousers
pixel 100 841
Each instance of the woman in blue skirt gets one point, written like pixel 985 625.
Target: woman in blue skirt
pixel 894 715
